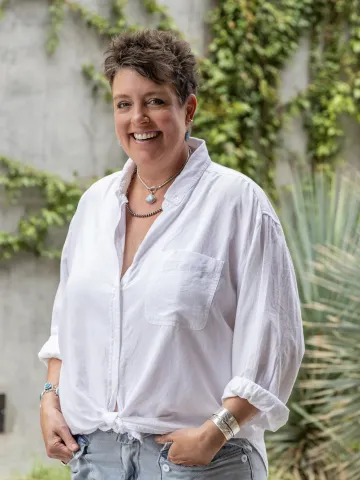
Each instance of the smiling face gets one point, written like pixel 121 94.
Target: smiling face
pixel 150 122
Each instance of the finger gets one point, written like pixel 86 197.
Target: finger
pixel 162 439
pixel 65 435
pixel 64 454
pixel 58 450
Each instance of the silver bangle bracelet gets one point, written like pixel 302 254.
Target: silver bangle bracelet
pixel 223 427
pixel 229 418
pixel 226 422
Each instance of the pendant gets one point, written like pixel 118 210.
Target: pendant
pixel 151 198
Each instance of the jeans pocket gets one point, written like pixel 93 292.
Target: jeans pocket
pixel 228 450
pixel 231 457
pixel 83 443
pixel 165 450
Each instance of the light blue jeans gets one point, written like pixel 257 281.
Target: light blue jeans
pixel 112 456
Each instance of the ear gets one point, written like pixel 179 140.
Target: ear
pixel 191 104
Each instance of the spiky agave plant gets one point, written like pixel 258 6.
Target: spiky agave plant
pixel 318 210
pixel 334 359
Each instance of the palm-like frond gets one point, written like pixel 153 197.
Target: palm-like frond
pixel 333 362
pixel 320 214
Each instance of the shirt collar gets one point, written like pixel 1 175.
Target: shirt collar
pixel 194 169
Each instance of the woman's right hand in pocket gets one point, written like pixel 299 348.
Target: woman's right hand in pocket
pixel 59 442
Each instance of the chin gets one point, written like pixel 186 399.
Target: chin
pixel 146 156
pixel 144 159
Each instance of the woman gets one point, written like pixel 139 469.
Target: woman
pixel 176 334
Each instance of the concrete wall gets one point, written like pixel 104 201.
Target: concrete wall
pixel 49 118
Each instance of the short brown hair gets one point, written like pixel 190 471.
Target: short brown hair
pixel 157 55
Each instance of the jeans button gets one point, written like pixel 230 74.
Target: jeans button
pixel 166 468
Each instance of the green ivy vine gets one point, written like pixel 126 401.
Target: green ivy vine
pixel 240 115
pixel 106 28
pixel 59 199
pixel 335 78
pixel 239 112
pixel 102 26
pixel 3 5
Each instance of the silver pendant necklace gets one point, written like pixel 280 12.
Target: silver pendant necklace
pixel 151 197
pixel 159 210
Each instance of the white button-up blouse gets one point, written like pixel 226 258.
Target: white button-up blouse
pixel 208 310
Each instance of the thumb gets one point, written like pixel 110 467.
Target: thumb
pixel 68 439
pixel 63 452
pixel 164 438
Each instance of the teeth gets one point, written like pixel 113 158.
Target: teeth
pixel 145 136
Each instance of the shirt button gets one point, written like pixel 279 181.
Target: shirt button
pixel 166 468
pixel 244 458
pixel 130 437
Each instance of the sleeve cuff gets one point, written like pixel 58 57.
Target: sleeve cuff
pixel 50 350
pixel 273 413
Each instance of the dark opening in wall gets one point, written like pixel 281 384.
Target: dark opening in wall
pixel 2 412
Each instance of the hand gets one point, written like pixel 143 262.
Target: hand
pixel 59 442
pixel 193 446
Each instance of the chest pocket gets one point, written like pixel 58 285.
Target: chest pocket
pixel 181 289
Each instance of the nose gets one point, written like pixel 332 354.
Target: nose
pixel 139 115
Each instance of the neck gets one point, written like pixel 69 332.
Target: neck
pixel 154 175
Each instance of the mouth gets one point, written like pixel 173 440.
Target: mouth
pixel 145 137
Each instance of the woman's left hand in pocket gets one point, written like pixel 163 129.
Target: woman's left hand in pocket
pixel 193 446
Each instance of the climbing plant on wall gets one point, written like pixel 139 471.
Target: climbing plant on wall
pixel 106 28
pixel 239 113
pixel 334 69
pixel 59 199
pixel 3 5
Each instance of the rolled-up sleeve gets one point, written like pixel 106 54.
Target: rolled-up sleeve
pixel 268 343
pixel 51 348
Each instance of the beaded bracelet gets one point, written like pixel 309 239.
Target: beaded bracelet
pixel 49 387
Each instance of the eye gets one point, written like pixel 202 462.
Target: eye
pixel 122 105
pixel 155 101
